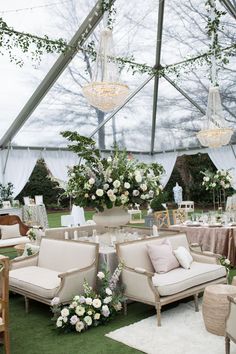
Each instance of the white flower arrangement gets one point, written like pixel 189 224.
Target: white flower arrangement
pixel 90 309
pixel 114 181
pixel 220 180
pixel 31 233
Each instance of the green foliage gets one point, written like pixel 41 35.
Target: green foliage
pixel 156 203
pixel 83 146
pixel 6 191
pixel 40 183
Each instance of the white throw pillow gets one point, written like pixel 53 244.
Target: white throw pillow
pixel 184 257
pixel 10 231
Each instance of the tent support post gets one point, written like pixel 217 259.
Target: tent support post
pixel 139 88
pixel 229 7
pixel 157 65
pixel 183 93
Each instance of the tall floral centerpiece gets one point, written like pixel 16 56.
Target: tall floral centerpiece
pixel 112 183
pixel 218 183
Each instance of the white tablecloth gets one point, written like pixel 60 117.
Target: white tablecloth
pixel 35 214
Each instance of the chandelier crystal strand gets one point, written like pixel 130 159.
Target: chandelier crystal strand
pixel 106 92
pixel 215 134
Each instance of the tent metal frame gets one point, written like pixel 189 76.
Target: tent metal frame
pixel 62 62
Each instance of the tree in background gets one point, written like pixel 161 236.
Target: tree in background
pixel 40 183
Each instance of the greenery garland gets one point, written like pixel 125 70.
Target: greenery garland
pixel 36 46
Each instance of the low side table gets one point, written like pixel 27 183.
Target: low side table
pixel 215 307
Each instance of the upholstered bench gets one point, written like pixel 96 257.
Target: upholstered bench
pixel 144 285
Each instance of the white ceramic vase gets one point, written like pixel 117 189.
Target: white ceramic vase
pixel 114 217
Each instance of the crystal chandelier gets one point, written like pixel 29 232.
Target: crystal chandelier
pixel 215 133
pixel 106 92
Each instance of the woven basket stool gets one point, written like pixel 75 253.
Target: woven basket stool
pixel 215 307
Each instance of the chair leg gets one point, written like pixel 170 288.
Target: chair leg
pixel 227 345
pixel 196 302
pixel 6 342
pixel 26 305
pixel 158 310
pixel 125 307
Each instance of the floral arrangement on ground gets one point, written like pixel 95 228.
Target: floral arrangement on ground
pixel 118 180
pixel 90 309
pixel 221 179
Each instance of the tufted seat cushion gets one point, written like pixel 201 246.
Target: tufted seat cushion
pixel 180 279
pixel 36 280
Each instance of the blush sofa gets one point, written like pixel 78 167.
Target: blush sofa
pixel 144 285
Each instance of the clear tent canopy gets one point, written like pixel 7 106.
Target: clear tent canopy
pixel 39 100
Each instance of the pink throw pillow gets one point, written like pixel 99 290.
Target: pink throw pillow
pixel 162 257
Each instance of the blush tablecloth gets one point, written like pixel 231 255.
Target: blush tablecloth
pixel 221 240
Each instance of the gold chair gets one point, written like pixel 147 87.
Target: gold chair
pixel 4 301
pixel 179 216
pixel 162 219
pixel 230 328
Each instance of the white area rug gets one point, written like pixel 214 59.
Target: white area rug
pixel 182 332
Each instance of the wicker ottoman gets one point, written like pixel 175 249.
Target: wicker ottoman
pixel 215 307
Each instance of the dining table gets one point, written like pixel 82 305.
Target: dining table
pixel 219 239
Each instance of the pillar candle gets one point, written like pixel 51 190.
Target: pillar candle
pixel 155 231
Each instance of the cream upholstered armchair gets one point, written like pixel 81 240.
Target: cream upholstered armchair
pixel 230 328
pixel 4 302
pixel 58 270
pixel 142 284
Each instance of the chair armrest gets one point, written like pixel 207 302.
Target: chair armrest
pixel 27 261
pixel 138 284
pixel 232 299
pixel 203 257
pixel 195 247
pixel 72 282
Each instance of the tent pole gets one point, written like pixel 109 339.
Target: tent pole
pixel 157 66
pixel 183 93
pixel 229 7
pixel 54 73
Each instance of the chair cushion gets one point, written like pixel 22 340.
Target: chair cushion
pixel 180 279
pixel 14 241
pixel 38 281
pixel 162 257
pixel 10 231
pixel 184 257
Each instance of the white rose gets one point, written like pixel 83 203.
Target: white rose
pixel 80 310
pixel 228 178
pixel 88 320
pixel 110 192
pixel 79 326
pixel 207 179
pixel 135 193
pixel 127 185
pixel 91 181
pixel 112 198
pixel 126 193
pixel 96 316
pixel 59 322
pixel 55 301
pixel 143 196
pixel 110 180
pixel 143 187
pixel 107 300
pixel 106 186
pixel 93 197
pixel 86 195
pixel 65 319
pixel 90 313
pixel 99 192
pixel 138 178
pixel 213 185
pixel 227 261
pixel 109 159
pixel 88 301
pixel 116 183
pixel 101 275
pixel 108 291
pixel 65 312
pixel 227 186
pixel 97 303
